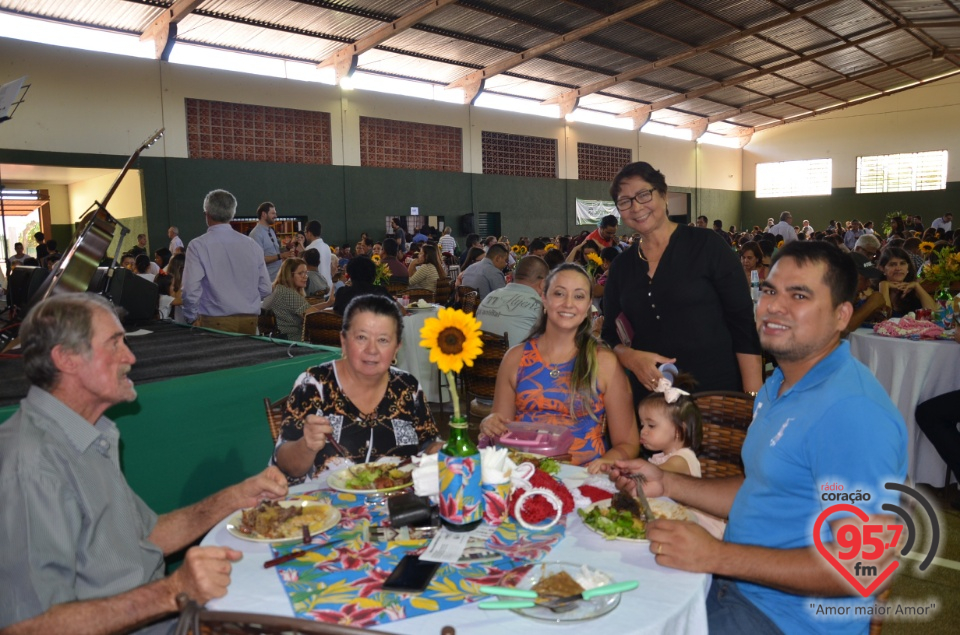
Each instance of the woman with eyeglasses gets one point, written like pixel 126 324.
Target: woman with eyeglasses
pixel 288 300
pixel 681 291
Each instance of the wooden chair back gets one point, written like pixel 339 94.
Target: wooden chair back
pixel 419 294
pixel 726 417
pixel 442 294
pixel 267 324
pixel 322 327
pixel 274 415
pixel 480 380
pixel 468 298
pixel 397 289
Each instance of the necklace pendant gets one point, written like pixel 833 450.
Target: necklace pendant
pixel 554 373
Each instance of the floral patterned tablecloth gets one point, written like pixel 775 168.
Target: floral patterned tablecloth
pixel 343 583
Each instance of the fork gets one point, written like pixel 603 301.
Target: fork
pixel 639 480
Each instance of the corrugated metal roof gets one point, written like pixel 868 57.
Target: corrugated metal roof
pixel 672 48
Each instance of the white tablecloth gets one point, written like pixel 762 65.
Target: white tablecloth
pixel 415 359
pixel 912 372
pixel 668 601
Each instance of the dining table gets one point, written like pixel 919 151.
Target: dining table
pixel 912 371
pixel 666 601
pixel 415 359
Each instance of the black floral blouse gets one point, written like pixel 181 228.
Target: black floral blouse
pixel 400 426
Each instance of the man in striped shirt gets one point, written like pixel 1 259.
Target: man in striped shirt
pixel 81 552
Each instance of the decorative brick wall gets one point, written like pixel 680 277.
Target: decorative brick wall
pixel 600 163
pixel 385 143
pixel 519 155
pixel 243 132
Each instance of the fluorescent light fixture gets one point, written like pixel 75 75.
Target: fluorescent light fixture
pixel 714 139
pixel 515 104
pixel 21 195
pixel 582 115
pixel 663 130
pixel 207 57
pixel 57 34
pixel 346 83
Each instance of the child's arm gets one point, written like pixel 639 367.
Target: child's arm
pixel 676 464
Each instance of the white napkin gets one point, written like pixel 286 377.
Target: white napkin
pixel 495 465
pixel 426 475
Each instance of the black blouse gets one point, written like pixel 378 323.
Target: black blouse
pixel 400 426
pixel 697 308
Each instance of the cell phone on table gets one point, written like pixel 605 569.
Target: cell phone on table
pixel 412 575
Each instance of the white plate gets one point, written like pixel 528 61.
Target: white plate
pixel 330 519
pixel 338 480
pixel 662 507
pixel 584 610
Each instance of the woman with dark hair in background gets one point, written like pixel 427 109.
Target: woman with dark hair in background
pixel 751 259
pixel 901 292
pixel 682 292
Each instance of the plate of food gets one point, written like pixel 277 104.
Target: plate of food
pixel 562 579
pixel 615 524
pixel 283 521
pixel 421 305
pixel 386 475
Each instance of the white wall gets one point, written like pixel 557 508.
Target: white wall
pixel 98 103
pixel 920 119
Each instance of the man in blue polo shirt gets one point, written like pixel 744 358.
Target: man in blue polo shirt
pixel 821 421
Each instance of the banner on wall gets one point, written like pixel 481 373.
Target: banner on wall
pixel 590 212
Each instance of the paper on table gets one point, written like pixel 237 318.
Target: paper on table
pixel 426 476
pixel 449 546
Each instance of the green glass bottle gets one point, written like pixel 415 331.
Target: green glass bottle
pixel 461 498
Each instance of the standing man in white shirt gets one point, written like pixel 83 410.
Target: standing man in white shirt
pixel 807 229
pixel 264 236
pixel 944 223
pixel 175 243
pixel 448 244
pixel 224 277
pixel 327 267
pixel 784 229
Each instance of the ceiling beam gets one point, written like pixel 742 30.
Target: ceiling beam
pixel 848 104
pixel 816 89
pixel 164 28
pixel 475 79
pixel 344 61
pixel 740 79
pixel 637 71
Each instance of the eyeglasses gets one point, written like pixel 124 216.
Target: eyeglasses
pixel 641 197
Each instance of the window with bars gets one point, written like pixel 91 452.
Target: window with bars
pixel 811 177
pixel 905 172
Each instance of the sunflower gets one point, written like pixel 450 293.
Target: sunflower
pixel 375 258
pixel 333 250
pixel 926 248
pixel 550 246
pixel 523 250
pixel 595 259
pixel 453 338
pixel 515 249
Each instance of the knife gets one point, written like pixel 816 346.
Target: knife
pixel 293 555
pixel 527 596
pixel 638 479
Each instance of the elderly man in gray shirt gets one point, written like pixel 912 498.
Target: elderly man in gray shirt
pixel 224 276
pixel 515 308
pixel 487 275
pixel 81 552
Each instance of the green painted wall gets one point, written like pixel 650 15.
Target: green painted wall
pixel 351 200
pixel 846 204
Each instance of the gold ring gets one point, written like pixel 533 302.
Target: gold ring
pixel 659 548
